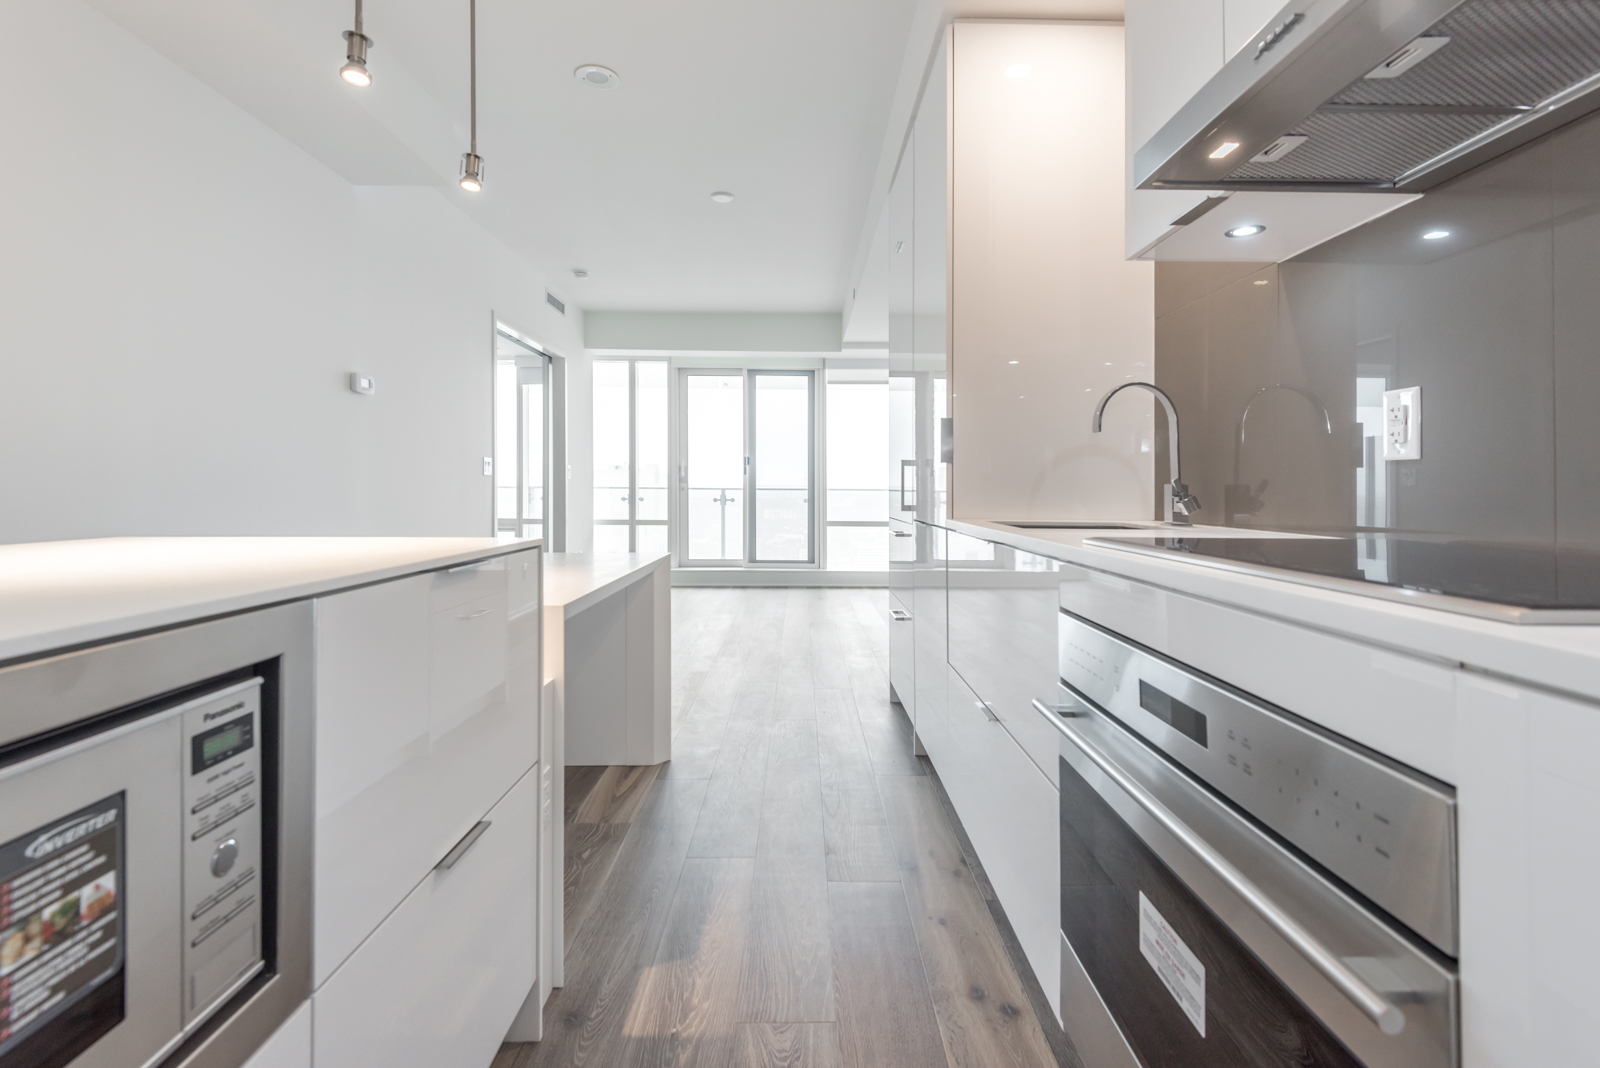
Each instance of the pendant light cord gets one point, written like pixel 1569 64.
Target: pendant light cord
pixel 472 23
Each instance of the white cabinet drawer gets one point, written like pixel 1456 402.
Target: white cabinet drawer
pixel 1012 814
pixel 458 585
pixel 468 652
pixel 438 984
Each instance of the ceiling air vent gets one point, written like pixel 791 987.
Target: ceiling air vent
pixel 554 302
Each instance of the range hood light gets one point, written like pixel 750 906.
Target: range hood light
pixel 1436 235
pixel 1247 230
pixel 1223 149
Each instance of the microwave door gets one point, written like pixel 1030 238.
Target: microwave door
pixel 90 885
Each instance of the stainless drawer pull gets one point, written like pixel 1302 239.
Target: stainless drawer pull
pixel 984 705
pixel 468 840
pixel 474 615
pixel 1388 1017
pixel 901 533
pixel 899 615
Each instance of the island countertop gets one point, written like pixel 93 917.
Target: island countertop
pixel 60 594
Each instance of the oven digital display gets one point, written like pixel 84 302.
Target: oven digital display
pixel 1190 722
pixel 61 935
pixel 223 741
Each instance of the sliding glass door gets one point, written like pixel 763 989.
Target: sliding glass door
pixel 748 469
pixel 782 467
pixel 714 466
pixel 630 456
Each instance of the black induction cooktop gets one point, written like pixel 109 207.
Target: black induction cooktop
pixel 1514 582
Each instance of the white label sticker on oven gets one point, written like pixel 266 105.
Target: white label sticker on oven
pixel 1180 971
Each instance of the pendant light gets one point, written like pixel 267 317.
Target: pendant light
pixel 356 44
pixel 471 162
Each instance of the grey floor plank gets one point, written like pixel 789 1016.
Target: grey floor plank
pixel 685 1013
pixel 790 1045
pixel 591 851
pixel 887 732
pixel 984 1013
pixel 791 797
pixel 580 779
pixel 586 1021
pixel 788 967
pixel 885 1011
pixel 617 794
pixel 856 834
pixel 730 819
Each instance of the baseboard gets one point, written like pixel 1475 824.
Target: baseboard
pixel 778 576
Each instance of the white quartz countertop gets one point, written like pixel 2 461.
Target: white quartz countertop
pixel 575 581
pixel 1560 657
pixel 66 593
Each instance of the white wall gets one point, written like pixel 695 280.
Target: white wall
pixel 182 293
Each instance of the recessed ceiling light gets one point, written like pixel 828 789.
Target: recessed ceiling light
pixel 721 198
pixel 1018 70
pixel 1011 361
pixel 579 272
pixel 1224 148
pixel 1260 281
pixel 1247 230
pixel 1436 235
pixel 596 77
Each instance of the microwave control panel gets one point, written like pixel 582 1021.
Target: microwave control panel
pixel 222 849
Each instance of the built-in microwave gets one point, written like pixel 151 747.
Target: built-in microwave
pixel 1241 888
pixel 155 845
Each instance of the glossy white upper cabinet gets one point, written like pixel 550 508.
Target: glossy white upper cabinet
pixel 1174 48
pixel 930 149
pixel 1045 313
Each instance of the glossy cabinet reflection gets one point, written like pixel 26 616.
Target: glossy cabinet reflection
pixel 1003 608
pixel 429 720
pixel 986 646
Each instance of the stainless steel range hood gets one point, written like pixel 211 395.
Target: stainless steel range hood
pixel 1387 95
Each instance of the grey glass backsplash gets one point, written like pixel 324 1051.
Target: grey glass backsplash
pixel 1277 370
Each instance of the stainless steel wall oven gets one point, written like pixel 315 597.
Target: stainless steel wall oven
pixel 1239 887
pixel 155 845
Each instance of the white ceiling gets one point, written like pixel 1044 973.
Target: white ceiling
pixel 785 104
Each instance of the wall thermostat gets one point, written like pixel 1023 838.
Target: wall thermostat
pixel 360 383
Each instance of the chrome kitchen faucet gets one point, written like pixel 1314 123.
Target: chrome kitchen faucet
pixel 1180 504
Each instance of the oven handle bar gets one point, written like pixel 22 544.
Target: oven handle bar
pixel 1382 1012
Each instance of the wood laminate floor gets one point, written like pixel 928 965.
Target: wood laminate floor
pixel 792 888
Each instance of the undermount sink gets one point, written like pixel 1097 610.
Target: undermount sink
pixel 1048 524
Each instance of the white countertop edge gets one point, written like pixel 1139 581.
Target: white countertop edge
pixel 594 596
pixel 40 643
pixel 1559 657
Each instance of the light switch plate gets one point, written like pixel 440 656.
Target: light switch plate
pixel 1402 423
pixel 364 384
pixel 488 465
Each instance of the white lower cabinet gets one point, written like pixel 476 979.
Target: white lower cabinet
pixel 290 1044
pixel 441 979
pixel 1012 814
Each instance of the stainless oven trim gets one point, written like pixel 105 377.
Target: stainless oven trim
pixel 56 691
pixel 1095 1034
pixel 1380 1010
pixel 1434 999
pixel 1417 886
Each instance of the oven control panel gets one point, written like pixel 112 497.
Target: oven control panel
pixel 222 849
pixel 1385 829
